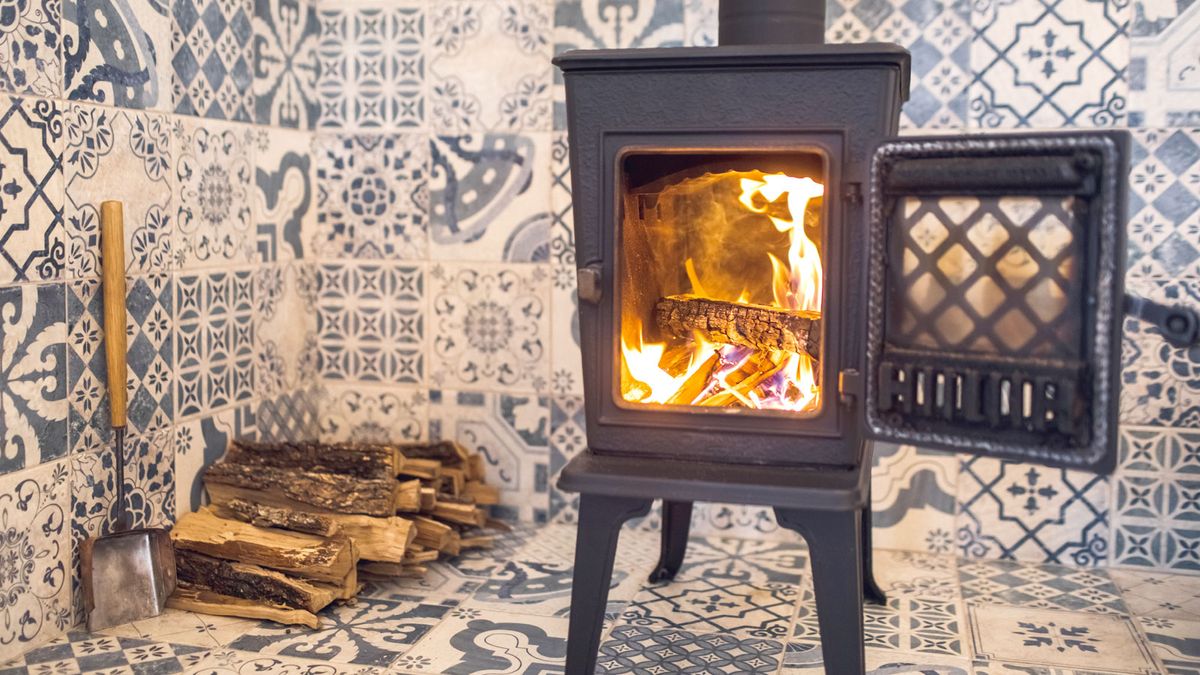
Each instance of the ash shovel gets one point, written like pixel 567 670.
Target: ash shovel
pixel 127 575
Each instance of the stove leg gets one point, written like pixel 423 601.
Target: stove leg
pixel 600 520
pixel 677 520
pixel 871 590
pixel 834 539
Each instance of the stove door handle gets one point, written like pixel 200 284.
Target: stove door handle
pixel 1179 325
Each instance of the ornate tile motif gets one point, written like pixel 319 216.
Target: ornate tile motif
pixel 105 149
pixel 81 652
pixel 442 584
pixel 562 227
pixel 371 68
pixel 369 632
pixel 489 326
pixel 1048 63
pixel 489 197
pixel 231 661
pixel 464 97
pixel 711 605
pixel 33 376
pixel 1174 643
pixel 285 194
pixel 641 649
pixel 1164 203
pixel 212 192
pixel 117 52
pixel 913 498
pixel 511 432
pixel 700 23
pixel 473 640
pixel 913 574
pixel 906 624
pixel 805 658
pixel 544 589
pixel 150 374
pixel 744 560
pixel 370 322
pixel 738 520
pixel 201 442
pixel 566 360
pixel 373 196
pixel 285 328
pixel 291 415
pixel 938 34
pixel 362 412
pixel 1024 512
pixel 483 563
pixel 1160 595
pixel 177 628
pixel 285 63
pixel 568 437
pixel 31 230
pixel 1159 383
pixel 215 341
pixel 29 48
pixel 36 555
pixel 1163 87
pixel 1040 586
pixel 213 59
pixel 1157 493
pixel 1042 637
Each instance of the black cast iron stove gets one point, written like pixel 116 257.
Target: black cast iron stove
pixel 769 279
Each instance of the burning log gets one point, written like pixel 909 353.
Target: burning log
pixel 755 326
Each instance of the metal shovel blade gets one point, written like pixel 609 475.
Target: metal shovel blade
pixel 127 576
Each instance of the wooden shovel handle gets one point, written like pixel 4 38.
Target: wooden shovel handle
pixel 112 261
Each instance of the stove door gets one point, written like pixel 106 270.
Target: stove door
pixel 996 290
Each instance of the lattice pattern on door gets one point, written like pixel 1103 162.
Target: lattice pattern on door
pixel 991 275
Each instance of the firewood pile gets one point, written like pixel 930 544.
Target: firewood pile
pixel 293 527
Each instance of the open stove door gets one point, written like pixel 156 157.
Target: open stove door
pixel 996 295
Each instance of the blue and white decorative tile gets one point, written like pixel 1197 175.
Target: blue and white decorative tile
pixel 1053 638
pixel 225 660
pixel 213 61
pixel 1164 88
pixel 1157 492
pixel 1040 586
pixel 33 376
pixel 365 412
pixel 31 206
pixel 714 605
pixel 740 521
pixel 285 328
pixel 808 659
pixel 1160 383
pixel 290 415
pixel 906 623
pixel 215 344
pixel 511 431
pixel 285 63
pixel 285 194
pixel 937 34
pixel 371 67
pixel 489 326
pixel 30 62
pixel 178 627
pixel 566 359
pixel 913 498
pixel 214 179
pixel 371 322
pixel 1159 594
pixel 1175 643
pixel 643 649
pixel 489 198
pixel 544 588
pixel 150 359
pixel 464 97
pixel 471 640
pixel 82 652
pixel 562 227
pixel 1048 63
pixel 700 23
pixel 483 563
pixel 568 437
pixel 36 550
pixel 442 584
pixel 111 153
pixel 915 574
pixel 1164 204
pixel 368 632
pixel 373 199
pixel 744 560
pixel 199 443
pixel 1031 513
pixel 117 53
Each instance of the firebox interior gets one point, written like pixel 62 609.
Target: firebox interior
pixel 721 285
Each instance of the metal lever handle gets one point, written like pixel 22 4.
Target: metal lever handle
pixel 1180 326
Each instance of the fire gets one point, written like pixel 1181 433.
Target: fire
pixel 695 371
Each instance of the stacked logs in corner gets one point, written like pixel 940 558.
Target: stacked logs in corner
pixel 295 526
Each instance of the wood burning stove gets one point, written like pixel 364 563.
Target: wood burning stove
pixel 768 279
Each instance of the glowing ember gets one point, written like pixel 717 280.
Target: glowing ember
pixel 694 371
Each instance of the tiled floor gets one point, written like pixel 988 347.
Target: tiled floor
pixel 737 607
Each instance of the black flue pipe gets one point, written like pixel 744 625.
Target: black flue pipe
pixel 771 22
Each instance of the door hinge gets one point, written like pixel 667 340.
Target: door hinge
pixel 589 282
pixel 1180 326
pixel 852 194
pixel 850 385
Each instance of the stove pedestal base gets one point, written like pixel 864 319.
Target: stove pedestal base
pixel 829 508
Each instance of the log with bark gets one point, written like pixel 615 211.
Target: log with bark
pixel 361 460
pixel 756 326
pixel 252 582
pixel 329 491
pixel 285 518
pixel 191 599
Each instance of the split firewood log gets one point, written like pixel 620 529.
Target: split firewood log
pixel 330 491
pixel 433 534
pixel 192 599
pixel 283 518
pixel 481 493
pixel 757 326
pixel 252 582
pixel 446 453
pixel 425 469
pixel 361 460
pixel 408 498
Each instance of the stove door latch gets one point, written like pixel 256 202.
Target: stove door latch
pixel 850 385
pixel 588 279
pixel 1180 326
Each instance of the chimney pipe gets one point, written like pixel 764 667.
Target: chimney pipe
pixel 771 22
